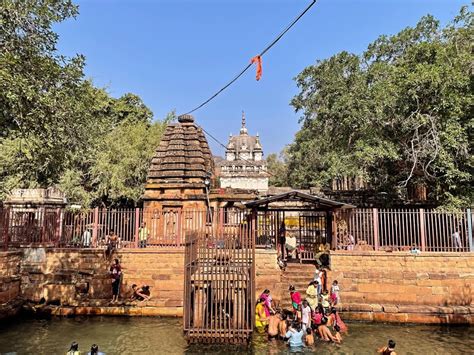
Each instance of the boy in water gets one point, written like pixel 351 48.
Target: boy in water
pixel 309 339
pixel 389 349
pixel 338 335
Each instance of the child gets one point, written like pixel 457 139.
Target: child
pixel 337 336
pixel 295 298
pixel 306 315
pixel 334 293
pixel 309 339
pixel 325 301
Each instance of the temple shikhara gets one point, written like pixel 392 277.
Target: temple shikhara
pixel 244 166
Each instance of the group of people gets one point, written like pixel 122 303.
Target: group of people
pixel 299 326
pixel 74 350
pixel 314 315
pixel 310 318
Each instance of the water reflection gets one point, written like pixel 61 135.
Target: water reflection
pixel 121 335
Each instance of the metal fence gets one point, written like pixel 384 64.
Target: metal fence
pixel 219 280
pixel 363 229
pixel 406 229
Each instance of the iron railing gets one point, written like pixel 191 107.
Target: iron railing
pixel 219 280
pixel 366 229
pixel 406 229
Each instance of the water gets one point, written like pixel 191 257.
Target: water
pixel 121 335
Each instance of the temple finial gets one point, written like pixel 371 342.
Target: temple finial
pixel 243 129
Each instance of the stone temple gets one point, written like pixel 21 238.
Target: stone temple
pixel 181 169
pixel 244 166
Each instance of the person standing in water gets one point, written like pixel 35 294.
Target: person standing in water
pixel 261 320
pixel 283 327
pixel 389 349
pixel 273 322
pixel 74 349
pixel 295 335
pixel 95 350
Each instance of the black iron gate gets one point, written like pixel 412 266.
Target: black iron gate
pixel 219 279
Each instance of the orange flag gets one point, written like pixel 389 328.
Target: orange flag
pixel 257 60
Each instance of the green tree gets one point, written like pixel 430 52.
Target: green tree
pixel 277 167
pixel 56 128
pixel 399 115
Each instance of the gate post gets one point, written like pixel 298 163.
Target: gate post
pixel 422 229
pixel 57 228
pixel 137 225
pixel 375 221
pixel 95 227
pixel 469 230
pixel 6 227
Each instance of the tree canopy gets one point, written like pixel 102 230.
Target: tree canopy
pixel 56 127
pixel 399 115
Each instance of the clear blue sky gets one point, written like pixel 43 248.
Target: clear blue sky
pixel 175 54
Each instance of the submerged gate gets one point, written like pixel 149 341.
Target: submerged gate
pixel 219 279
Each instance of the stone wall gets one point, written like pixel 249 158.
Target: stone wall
pixel 79 281
pixel 428 288
pixel 267 274
pixel 375 286
pixel 9 283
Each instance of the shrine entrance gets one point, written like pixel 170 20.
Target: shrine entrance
pixel 220 279
pixel 308 221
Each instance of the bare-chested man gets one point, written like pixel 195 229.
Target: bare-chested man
pixel 273 323
pixel 283 327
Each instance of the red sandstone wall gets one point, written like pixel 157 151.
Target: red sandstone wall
pixel 163 270
pixel 434 279
pixel 81 278
pixel 374 285
pixel 268 275
pixel 10 281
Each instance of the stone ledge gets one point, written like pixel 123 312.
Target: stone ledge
pixel 401 254
pixel 408 313
pixel 10 309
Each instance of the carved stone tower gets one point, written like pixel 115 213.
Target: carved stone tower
pixel 180 169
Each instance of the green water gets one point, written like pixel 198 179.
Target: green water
pixel 121 335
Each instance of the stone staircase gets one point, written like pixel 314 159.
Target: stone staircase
pixel 298 275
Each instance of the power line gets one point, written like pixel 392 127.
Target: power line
pixel 267 48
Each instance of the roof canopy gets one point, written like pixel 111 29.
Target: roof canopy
pixel 297 200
